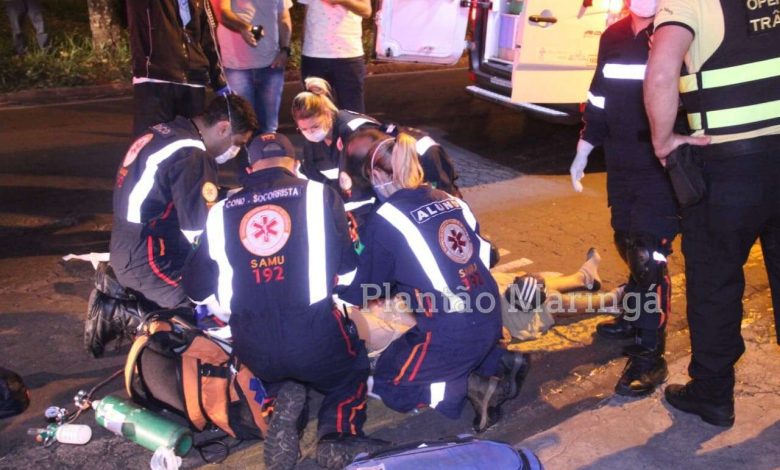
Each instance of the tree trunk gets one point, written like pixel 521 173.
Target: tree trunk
pixel 104 22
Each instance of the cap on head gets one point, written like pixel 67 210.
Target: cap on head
pixel 270 145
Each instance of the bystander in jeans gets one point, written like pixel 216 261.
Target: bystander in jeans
pixel 333 48
pixel 254 37
pixel 16 9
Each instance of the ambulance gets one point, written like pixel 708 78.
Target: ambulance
pixel 537 56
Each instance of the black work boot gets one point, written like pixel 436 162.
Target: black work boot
pixel 109 319
pixel 645 370
pixel 685 398
pixel 482 394
pixel 280 450
pixel 616 328
pixel 337 450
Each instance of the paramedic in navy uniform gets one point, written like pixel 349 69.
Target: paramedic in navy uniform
pixel 644 211
pixel 162 192
pixel 426 244
pixel 273 254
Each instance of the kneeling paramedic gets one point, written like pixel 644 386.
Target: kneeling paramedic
pixel 424 245
pixel 163 189
pixel 273 253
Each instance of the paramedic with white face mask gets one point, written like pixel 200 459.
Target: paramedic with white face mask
pixel 326 129
pixel 644 211
pixel 424 244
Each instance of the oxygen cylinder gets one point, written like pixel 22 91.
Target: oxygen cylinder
pixel 145 428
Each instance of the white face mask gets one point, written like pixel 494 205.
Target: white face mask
pixel 644 8
pixel 228 154
pixel 317 135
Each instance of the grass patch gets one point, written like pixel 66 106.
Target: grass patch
pixel 71 60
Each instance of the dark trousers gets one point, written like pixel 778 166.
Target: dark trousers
pixel 154 103
pixel 345 76
pixel 330 359
pixel 742 205
pixel 16 9
pixel 431 368
pixel 643 208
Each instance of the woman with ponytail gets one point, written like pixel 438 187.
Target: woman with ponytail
pixel 326 129
pixel 423 247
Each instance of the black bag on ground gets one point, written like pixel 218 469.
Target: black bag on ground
pixel 173 365
pixel 14 395
pixel 685 168
pixel 464 451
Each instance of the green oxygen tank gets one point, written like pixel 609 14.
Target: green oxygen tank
pixel 148 429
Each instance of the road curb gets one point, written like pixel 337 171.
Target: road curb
pixel 48 96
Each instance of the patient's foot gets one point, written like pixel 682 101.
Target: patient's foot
pixel 590 270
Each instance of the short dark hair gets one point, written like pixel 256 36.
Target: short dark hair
pixel 234 109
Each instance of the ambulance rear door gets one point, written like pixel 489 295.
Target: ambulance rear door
pixel 555 50
pixel 428 31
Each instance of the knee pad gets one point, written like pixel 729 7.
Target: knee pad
pixel 646 260
pixel 621 244
pixel 526 292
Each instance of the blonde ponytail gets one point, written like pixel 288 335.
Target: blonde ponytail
pixel 407 171
pixel 316 101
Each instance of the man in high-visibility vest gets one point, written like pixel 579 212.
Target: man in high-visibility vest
pixel 731 93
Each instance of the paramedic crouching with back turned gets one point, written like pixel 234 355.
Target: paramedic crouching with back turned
pixel 271 253
pixel 731 52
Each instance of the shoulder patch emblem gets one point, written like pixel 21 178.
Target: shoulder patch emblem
pixel 162 129
pixel 209 191
pixel 135 149
pixel 265 230
pixel 455 242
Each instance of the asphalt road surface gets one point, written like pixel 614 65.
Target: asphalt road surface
pixel 56 171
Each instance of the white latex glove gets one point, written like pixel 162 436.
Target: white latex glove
pixel 577 169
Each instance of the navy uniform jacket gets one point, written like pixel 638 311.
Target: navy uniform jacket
pixel 322 162
pixel 426 244
pixel 273 253
pixel 615 113
pixel 161 195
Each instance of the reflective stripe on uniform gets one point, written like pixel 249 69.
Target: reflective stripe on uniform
pixel 191 235
pixel 484 246
pixel 351 206
pixel 357 122
pixel 315 229
pixel 732 75
pixel 331 174
pixel 421 251
pixel 215 229
pixel 437 393
pixel 624 71
pixel 424 144
pixel 597 101
pixel 146 182
pixel 741 115
pixel 346 278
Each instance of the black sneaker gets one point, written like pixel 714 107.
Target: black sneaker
pixel 280 450
pixel 644 371
pixel 684 398
pixel 483 394
pixel 337 450
pixel 108 319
